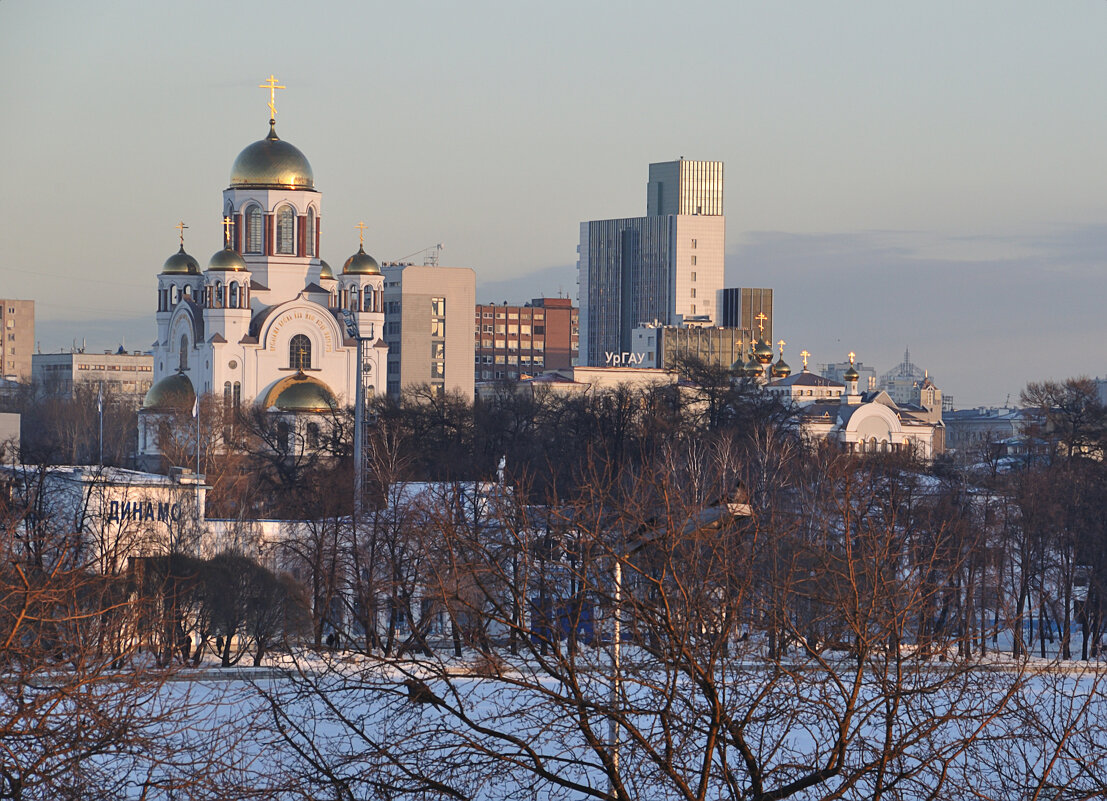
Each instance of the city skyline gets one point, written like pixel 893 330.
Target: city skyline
pixel 924 176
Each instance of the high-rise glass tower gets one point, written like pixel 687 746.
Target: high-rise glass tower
pixel 663 268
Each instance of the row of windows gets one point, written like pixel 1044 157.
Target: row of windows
pixel 253 238
pixel 537 361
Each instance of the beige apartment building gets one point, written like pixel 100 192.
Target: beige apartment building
pixel 17 320
pixel 428 313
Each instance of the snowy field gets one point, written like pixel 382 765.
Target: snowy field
pixel 345 728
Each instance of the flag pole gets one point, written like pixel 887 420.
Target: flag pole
pixel 100 411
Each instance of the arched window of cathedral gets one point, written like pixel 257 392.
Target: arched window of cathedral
pixel 226 395
pixel 174 296
pixel 236 394
pixel 309 244
pixel 299 353
pixel 234 296
pixel 313 435
pixel 284 437
pixel 187 291
pixel 286 222
pixel 219 294
pixel 367 302
pixel 184 352
pixel 334 298
pixel 353 298
pixel 255 228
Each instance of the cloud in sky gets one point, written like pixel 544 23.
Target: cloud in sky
pixel 985 314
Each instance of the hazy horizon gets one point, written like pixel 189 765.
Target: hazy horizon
pixel 904 175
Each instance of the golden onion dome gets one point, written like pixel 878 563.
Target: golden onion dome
pixel 851 373
pixel 172 393
pixel 300 393
pixel 753 367
pixel 226 260
pixel 781 369
pixel 739 366
pixel 763 352
pixel 361 263
pixel 271 163
pixel 180 263
pixel 325 270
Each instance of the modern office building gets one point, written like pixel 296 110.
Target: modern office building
pixel 17 320
pixel 429 327
pixel 662 345
pixel 664 268
pixel 518 341
pixel 745 307
pixel 122 374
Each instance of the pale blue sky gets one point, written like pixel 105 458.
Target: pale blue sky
pixel 903 174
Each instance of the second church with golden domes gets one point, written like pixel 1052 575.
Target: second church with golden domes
pixel 267 321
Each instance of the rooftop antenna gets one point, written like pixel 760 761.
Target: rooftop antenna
pixel 430 255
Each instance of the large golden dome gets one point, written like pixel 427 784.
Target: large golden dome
pixel 172 393
pixel 300 393
pixel 271 163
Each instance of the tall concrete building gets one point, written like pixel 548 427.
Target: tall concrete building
pixel 17 320
pixel 664 268
pixel 429 327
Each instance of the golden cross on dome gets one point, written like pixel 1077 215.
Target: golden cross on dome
pixel 228 223
pixel 761 318
pixel 803 355
pixel 180 230
pixel 852 356
pixel 361 233
pixel 781 345
pixel 272 85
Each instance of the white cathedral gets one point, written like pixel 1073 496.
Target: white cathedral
pixel 267 322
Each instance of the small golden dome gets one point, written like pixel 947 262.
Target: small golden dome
pixel 271 163
pixel 781 369
pixel 763 352
pixel 180 263
pixel 226 260
pixel 851 373
pixel 753 367
pixel 300 393
pixel 325 270
pixel 361 263
pixel 174 393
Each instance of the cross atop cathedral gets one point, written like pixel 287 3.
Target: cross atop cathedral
pixel 852 356
pixel 180 230
pixel 361 233
pixel 228 223
pixel 272 85
pixel 761 318
pixel 781 345
pixel 803 355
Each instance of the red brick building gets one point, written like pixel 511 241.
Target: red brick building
pixel 516 341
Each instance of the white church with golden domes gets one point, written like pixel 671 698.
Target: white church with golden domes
pixel 267 321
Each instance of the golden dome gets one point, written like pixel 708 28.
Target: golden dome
pixel 325 270
pixel 763 352
pixel 781 369
pixel 851 373
pixel 271 163
pixel 180 263
pixel 172 393
pixel 361 263
pixel 226 260
pixel 300 393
